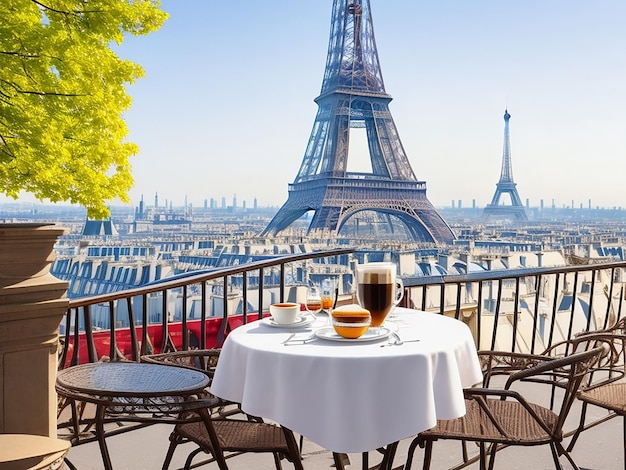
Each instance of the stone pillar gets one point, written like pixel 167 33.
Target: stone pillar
pixel 32 305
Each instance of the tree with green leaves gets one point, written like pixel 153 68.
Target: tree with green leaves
pixel 62 98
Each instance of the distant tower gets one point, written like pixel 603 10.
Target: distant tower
pixel 515 210
pixel 353 96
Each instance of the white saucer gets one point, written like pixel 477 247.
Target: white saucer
pixel 371 334
pixel 302 320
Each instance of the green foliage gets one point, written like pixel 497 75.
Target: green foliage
pixel 62 96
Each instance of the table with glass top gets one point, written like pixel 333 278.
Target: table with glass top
pixel 132 391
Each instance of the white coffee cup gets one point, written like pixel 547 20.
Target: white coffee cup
pixel 285 313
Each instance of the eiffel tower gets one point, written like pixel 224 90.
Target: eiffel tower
pixel 353 96
pixel 515 210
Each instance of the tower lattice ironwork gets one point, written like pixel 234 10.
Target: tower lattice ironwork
pixel 353 96
pixel 498 209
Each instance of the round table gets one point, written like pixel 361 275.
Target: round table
pixel 143 392
pixel 347 396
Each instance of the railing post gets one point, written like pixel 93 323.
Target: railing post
pixel 133 331
pixel 282 282
pixel 245 297
pixel 145 339
pixel 609 302
pixel 515 313
pixel 92 354
pixel 536 312
pixel 574 299
pixel 479 315
pixel 457 313
pixel 496 316
pixel 442 298
pixel 203 316
pixel 261 284
pixel 164 322
pixel 555 303
pixel 184 320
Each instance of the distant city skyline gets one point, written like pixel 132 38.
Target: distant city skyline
pixel 226 106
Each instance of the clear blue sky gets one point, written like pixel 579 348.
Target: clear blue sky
pixel 226 106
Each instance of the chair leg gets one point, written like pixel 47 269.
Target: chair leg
pixel 277 463
pixel 218 455
pixel 624 438
pixel 174 441
pixel 106 459
pixel 390 453
pixel 562 451
pixel 190 458
pixel 75 422
pixel 69 464
pixel 410 453
pixel 483 455
pixel 339 458
pixel 555 456
pixel 292 445
pixel 428 455
pixel 581 427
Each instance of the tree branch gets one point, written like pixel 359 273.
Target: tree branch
pixel 63 12
pixel 5 149
pixel 23 56
pixel 46 7
pixel 40 93
pixel 51 93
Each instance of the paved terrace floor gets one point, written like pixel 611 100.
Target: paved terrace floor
pixel 599 448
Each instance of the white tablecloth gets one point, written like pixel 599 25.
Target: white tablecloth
pixel 351 397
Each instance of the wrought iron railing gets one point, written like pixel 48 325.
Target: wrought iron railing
pixel 139 334
pixel 523 310
pixel 553 303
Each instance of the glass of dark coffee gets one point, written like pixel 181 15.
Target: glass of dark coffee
pixel 378 289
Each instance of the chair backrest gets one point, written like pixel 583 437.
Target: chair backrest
pixel 610 366
pixel 619 327
pixel 199 359
pixel 567 372
pixel 503 363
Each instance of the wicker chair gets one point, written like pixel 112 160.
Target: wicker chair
pixel 606 388
pixel 503 417
pixel 235 437
pixel 224 436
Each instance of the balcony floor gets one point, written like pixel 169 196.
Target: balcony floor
pixel 599 448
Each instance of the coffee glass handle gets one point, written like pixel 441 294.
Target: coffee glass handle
pixel 399 292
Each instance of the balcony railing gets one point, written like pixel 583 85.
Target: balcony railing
pixel 132 328
pixel 523 310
